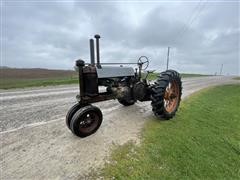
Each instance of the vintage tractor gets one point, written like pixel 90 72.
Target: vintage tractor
pixel 125 84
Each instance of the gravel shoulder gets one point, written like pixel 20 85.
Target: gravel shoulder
pixel 36 144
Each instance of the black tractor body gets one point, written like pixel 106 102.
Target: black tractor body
pixel 105 81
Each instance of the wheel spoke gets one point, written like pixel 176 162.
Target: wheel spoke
pixel 165 103
pixel 170 86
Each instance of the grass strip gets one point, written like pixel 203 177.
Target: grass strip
pixel 201 142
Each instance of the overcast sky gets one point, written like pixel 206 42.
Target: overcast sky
pixel 202 34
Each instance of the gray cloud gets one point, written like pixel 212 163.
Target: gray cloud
pixel 202 35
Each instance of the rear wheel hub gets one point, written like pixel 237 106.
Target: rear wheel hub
pixel 171 97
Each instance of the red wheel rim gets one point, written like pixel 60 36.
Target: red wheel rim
pixel 171 96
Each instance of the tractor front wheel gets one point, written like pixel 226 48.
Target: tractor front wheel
pixel 86 121
pixel 71 112
pixel 166 94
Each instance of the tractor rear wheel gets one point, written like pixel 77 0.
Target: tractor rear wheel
pixel 86 121
pixel 166 94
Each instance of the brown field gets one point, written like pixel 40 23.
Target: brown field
pixel 20 78
pixel 12 73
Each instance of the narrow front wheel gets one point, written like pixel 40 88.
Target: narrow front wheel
pixel 86 121
pixel 71 112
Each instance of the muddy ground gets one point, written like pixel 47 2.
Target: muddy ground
pixel 36 144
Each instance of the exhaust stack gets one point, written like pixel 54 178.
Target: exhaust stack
pixel 97 50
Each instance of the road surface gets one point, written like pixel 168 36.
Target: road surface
pixel 36 144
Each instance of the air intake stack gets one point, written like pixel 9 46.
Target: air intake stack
pixel 92 57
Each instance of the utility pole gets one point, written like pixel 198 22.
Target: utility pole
pixel 221 70
pixel 168 57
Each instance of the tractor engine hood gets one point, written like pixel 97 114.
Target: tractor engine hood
pixel 113 71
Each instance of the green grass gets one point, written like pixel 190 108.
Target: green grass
pixel 23 83
pixel 201 142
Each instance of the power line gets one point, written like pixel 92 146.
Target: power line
pixel 196 13
pixel 199 12
pixel 190 17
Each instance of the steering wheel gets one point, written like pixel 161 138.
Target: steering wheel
pixel 143 60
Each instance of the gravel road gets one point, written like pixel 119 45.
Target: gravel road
pixel 36 144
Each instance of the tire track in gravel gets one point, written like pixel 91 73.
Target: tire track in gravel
pixel 46 149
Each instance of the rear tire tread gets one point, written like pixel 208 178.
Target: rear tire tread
pixel 158 91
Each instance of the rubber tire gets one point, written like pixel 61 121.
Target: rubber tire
pixel 126 102
pixel 71 112
pixel 158 90
pixel 74 125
